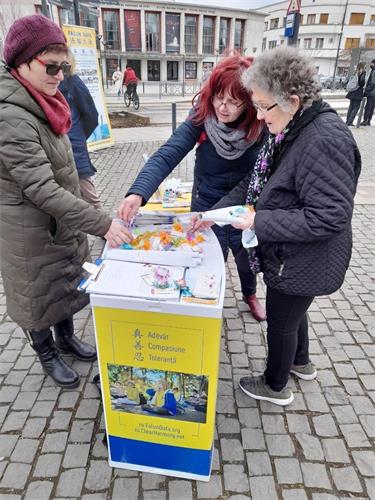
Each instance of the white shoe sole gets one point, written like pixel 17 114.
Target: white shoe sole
pixel 303 376
pixel 280 402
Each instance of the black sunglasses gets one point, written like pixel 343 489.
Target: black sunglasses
pixel 53 69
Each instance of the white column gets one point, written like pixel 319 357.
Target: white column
pixel 163 70
pixel 144 75
pixel 200 34
pixel 182 33
pixel 143 31
pixel 162 34
pixel 100 22
pixel 231 32
pixel 122 30
pixel 217 32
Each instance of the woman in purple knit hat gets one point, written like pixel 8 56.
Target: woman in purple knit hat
pixel 42 216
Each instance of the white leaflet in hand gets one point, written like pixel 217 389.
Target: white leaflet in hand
pixel 222 216
pixel 249 239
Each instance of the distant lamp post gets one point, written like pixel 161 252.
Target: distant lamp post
pixel 99 38
pixel 102 56
pixel 338 47
pixel 183 74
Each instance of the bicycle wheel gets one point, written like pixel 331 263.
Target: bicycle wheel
pixel 126 99
pixel 136 101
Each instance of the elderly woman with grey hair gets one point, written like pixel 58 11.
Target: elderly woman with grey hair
pixel 302 189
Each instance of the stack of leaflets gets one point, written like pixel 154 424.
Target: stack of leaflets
pixel 144 281
pixel 202 286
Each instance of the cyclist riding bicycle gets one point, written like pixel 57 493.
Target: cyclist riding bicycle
pixel 130 80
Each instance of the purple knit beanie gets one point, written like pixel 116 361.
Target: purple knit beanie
pixel 28 36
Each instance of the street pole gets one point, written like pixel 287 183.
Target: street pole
pixel 45 10
pixel 76 12
pixel 174 115
pixel 338 47
pixel 183 75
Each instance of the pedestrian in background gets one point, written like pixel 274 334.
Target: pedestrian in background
pixel 224 126
pixel 117 81
pixel 42 216
pixel 302 188
pixel 355 94
pixel 84 122
pixel 370 96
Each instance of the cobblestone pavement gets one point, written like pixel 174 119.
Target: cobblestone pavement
pixel 321 447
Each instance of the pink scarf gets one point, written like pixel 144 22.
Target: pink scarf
pixel 55 107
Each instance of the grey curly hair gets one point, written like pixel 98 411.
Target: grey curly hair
pixel 283 72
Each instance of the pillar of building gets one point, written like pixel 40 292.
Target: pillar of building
pixel 122 30
pixel 182 33
pixel 217 33
pixel 144 70
pixel 162 33
pixel 200 34
pixel 232 25
pixel 143 32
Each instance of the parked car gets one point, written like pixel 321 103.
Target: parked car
pixel 327 82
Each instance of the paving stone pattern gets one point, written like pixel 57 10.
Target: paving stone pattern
pixel 320 448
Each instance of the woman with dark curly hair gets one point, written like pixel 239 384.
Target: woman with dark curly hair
pixel 302 188
pixel 224 126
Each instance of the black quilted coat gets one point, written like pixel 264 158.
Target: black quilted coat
pixel 303 215
pixel 41 214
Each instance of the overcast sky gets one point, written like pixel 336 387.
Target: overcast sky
pixel 236 4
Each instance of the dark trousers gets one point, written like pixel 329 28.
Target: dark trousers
pixel 230 238
pixel 287 335
pixel 352 111
pixel 131 89
pixel 369 109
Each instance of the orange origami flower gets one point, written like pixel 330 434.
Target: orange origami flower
pixel 177 227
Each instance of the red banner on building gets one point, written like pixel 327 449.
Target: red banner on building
pixel 133 30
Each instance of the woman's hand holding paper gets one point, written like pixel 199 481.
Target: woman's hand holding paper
pixel 129 207
pixel 196 223
pixel 245 220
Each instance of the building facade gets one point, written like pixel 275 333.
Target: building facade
pixel 328 29
pixel 163 41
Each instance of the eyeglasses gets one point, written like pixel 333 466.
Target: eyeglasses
pixel 53 69
pixel 230 105
pixel 263 109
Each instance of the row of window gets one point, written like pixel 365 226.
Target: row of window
pixel 307 43
pixel 132 22
pixel 356 18
pixel 189 69
pixel 132 18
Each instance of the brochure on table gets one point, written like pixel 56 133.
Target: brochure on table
pixel 159 363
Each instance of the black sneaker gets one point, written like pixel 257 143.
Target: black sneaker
pixel 305 372
pixel 257 388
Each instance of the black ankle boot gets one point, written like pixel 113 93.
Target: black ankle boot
pixel 42 343
pixel 67 343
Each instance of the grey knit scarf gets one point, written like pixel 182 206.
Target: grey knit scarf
pixel 230 143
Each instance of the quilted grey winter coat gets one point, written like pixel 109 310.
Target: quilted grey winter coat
pixel 303 215
pixel 41 214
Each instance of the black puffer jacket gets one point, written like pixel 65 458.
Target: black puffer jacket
pixel 303 215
